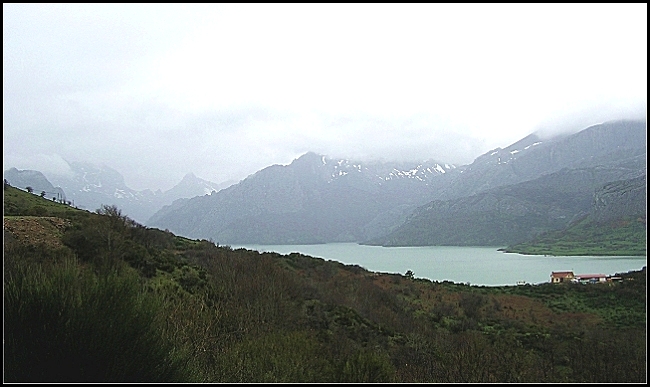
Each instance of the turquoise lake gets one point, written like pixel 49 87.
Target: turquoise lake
pixel 474 265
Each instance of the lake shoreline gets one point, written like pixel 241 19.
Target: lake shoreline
pixel 482 266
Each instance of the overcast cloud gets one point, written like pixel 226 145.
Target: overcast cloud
pixel 157 91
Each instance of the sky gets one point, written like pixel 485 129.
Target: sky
pixel 157 91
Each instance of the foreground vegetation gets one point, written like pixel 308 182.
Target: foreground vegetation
pixel 96 297
pixel 621 237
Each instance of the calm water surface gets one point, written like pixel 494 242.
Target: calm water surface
pixel 476 265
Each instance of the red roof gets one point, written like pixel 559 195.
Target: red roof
pixel 561 273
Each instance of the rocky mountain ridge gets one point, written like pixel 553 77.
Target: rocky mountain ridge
pixel 317 200
pixel 314 199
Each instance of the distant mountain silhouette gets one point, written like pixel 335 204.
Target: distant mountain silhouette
pixel 34 179
pixel 505 195
pixel 90 186
pixel 314 199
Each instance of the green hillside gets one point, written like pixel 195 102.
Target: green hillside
pixel 621 237
pixel 98 298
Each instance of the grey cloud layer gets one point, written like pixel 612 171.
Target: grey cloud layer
pixel 158 91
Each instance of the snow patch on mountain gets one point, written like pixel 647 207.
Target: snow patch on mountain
pixel 385 171
pixel 537 143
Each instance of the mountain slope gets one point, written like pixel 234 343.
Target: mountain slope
pixel 314 199
pixel 191 186
pixel 512 213
pixel 505 215
pixel 34 179
pixel 616 225
pixel 534 156
pixel 319 200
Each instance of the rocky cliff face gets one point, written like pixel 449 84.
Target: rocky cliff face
pixel 620 199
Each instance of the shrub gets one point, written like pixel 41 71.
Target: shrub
pixel 67 324
pixel 367 366
pixel 38 211
pixel 294 357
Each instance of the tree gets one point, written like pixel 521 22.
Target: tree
pixel 42 194
pixel 409 274
pixel 29 189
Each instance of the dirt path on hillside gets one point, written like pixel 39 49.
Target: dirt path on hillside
pixel 36 230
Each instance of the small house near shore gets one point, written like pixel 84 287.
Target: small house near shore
pixel 561 276
pixel 590 278
pixel 568 276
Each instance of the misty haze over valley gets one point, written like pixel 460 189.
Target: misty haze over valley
pixel 325 193
pixel 506 196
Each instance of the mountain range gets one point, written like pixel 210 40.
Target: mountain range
pixel 315 199
pixel 89 186
pixel 505 196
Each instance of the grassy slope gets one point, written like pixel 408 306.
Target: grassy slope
pixel 624 237
pixel 243 316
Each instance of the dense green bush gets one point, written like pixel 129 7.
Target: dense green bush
pixel 67 324
pixel 279 357
pixel 367 366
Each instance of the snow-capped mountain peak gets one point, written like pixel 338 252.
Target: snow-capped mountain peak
pixel 380 171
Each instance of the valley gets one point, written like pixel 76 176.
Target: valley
pixel 536 196
pixel 94 297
